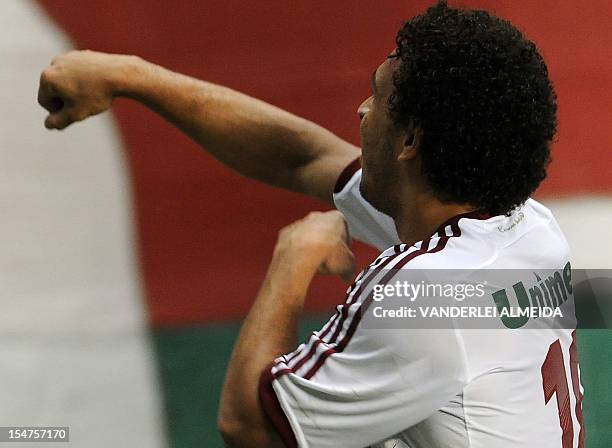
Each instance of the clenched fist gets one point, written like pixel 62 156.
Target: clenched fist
pixel 80 84
pixel 320 240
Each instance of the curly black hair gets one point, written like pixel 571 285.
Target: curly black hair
pixel 480 92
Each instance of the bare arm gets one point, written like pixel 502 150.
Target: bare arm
pixel 250 136
pixel 318 242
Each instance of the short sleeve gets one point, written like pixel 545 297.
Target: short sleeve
pixel 365 223
pixel 380 383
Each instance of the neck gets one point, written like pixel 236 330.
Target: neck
pixel 420 218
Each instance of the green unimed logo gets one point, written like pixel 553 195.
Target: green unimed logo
pixel 552 291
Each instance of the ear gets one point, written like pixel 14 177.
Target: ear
pixel 411 138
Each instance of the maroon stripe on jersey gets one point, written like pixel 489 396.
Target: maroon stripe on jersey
pixel 346 175
pixel 441 231
pixel 366 303
pixel 281 372
pixel 358 292
pixel 328 326
pixel 350 292
pixel 292 356
pixel 340 312
pixel 273 410
pixel 454 221
pixel 455 229
pixel 342 316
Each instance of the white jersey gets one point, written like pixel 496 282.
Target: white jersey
pixel 350 386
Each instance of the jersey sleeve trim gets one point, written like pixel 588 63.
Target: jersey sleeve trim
pixel 346 326
pixel 273 410
pixel 345 322
pixel 346 175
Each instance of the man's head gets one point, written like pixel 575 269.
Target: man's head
pixel 462 106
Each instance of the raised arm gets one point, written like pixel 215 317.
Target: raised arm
pixel 254 138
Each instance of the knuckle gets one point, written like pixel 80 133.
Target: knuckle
pixel 46 75
pixel 311 242
pixel 285 231
pixel 313 215
pixel 79 115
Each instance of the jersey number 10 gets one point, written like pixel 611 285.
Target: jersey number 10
pixel 554 381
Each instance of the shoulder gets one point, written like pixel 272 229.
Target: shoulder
pixel 459 243
pixel 470 241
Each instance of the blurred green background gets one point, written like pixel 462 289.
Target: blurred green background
pixel 193 362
